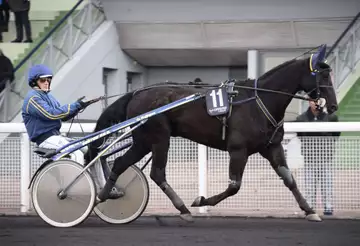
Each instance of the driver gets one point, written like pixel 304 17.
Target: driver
pixel 43 115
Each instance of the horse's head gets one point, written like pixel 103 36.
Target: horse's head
pixel 317 82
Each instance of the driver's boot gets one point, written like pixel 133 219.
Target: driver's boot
pixel 99 178
pixel 110 191
pixel 116 193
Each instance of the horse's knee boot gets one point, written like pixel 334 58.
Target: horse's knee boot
pixel 233 187
pixel 286 176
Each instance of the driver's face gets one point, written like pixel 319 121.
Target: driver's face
pixel 44 83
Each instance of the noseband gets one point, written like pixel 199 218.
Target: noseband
pixel 318 74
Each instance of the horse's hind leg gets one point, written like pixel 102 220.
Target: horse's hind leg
pixel 158 175
pixel 276 157
pixel 121 163
pixel 238 159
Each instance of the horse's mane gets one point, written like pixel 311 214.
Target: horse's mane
pixel 276 69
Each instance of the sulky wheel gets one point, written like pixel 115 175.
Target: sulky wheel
pixel 72 207
pixel 131 206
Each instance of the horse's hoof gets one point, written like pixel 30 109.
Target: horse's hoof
pixel 198 202
pixel 187 217
pixel 313 217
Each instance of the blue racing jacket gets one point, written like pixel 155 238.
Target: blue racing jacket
pixel 42 114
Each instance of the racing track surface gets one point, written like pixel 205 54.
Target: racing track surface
pixel 32 231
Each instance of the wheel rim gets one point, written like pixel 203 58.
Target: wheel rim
pixel 128 208
pixel 78 204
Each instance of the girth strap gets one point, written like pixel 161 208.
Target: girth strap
pixel 232 93
pixel 268 115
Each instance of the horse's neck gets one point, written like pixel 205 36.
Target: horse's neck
pixel 276 103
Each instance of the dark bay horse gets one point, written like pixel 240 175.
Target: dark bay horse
pixel 249 129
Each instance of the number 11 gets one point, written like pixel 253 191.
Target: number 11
pixel 213 96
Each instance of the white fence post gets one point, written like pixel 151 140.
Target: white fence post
pixel 203 173
pixel 25 173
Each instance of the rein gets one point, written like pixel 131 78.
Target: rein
pixel 216 86
pixel 276 92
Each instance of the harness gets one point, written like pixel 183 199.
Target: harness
pixel 232 93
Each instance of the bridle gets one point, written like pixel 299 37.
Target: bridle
pixel 318 72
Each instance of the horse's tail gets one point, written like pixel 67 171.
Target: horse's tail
pixel 113 114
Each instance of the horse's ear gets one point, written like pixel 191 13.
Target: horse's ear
pixel 319 56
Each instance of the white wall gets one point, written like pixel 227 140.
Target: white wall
pixel 215 10
pixel 83 75
pixel 155 28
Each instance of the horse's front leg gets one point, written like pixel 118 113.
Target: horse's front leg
pixel 275 155
pixel 238 159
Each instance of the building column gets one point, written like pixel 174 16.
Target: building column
pixel 253 64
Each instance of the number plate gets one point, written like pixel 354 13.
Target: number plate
pixel 217 101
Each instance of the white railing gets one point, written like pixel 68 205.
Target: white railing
pixel 195 170
pixel 346 55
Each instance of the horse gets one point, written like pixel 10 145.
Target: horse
pixel 254 126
